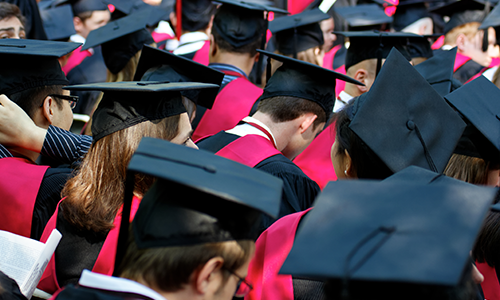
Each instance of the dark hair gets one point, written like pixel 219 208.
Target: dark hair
pixel 8 10
pixel 29 100
pixel 250 48
pixel 194 18
pixel 488 242
pixel 365 163
pixel 285 108
pixel 85 15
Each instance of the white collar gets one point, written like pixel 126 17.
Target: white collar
pixel 342 100
pixel 244 129
pixel 446 47
pixel 191 37
pixel 77 38
pixel 115 284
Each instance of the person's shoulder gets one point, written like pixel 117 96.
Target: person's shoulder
pixel 80 293
pixel 216 142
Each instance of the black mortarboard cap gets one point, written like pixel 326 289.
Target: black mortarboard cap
pixel 478 101
pixel 127 7
pixel 438 71
pixel 81 6
pixel 492 19
pixel 128 103
pixel 389 232
pixel 363 15
pixel 217 199
pixel 241 22
pixel 409 12
pixel 121 39
pixel 408 123
pixel 58 22
pixel 296 78
pixel 419 47
pixel 374 44
pixel 28 64
pixel 159 65
pixel 461 12
pixel 298 32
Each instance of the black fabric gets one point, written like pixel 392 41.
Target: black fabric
pixel 408 14
pixel 196 14
pixel 77 250
pixel 58 22
pixel 10 289
pixel 299 191
pixel 83 293
pixel 48 196
pixel 81 6
pixel 308 289
pixel 419 47
pixel 339 58
pixel 33 24
pixel 189 55
pixel 299 39
pixel 467 71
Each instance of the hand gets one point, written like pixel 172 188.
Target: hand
pixel 17 130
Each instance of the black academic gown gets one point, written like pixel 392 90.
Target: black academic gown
pixel 83 293
pixel 10 289
pixel 299 191
pixel 467 71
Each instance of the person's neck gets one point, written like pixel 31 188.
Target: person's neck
pixel 352 90
pixel 282 131
pixel 242 61
pixel 23 153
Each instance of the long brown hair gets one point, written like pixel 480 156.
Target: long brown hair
pixel 95 194
pixel 469 169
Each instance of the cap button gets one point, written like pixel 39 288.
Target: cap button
pixel 410 125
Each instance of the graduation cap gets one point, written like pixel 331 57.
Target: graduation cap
pixel 492 19
pixel 121 39
pixel 363 17
pixel 404 121
pixel 298 32
pixel 126 7
pixel 408 12
pixel 31 63
pixel 296 78
pixel 199 198
pixel 478 102
pixel 365 45
pixel 127 103
pixel 58 22
pixel 462 12
pixel 365 234
pixel 159 65
pixel 81 6
pixel 241 22
pixel 438 71
pixel 419 47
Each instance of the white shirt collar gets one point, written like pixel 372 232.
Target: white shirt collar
pixel 342 100
pixel 244 129
pixel 190 42
pixel 446 47
pixel 115 284
pixel 77 38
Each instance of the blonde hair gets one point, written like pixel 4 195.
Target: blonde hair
pixel 469 169
pixel 468 29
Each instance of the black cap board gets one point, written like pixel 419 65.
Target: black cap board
pixel 419 47
pixel 462 12
pixel 438 71
pixel 121 39
pixel 210 198
pixel 127 7
pixel 159 65
pixel 81 6
pixel 241 22
pixel 389 232
pixel 408 13
pixel 57 22
pixel 127 103
pixel 479 102
pixel 296 78
pixel 492 19
pixel 298 32
pixel 31 63
pixel 365 45
pixel 408 123
pixel 252 5
pixel 363 16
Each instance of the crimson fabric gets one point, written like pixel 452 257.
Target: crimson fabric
pixel 201 56
pixel 105 261
pixel 20 181
pixel 329 56
pixel 340 84
pixel 316 159
pixel 271 250
pixel 233 103
pixel 490 285
pixel 243 150
pixel 75 59
pixel 460 61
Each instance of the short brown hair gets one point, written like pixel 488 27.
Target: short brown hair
pixel 285 108
pixel 8 10
pixel 250 48
pixel 29 100
pixel 469 169
pixel 469 29
pixel 169 268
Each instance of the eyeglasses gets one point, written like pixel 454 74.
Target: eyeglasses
pixel 71 99
pixel 243 287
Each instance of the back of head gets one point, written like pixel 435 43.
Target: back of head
pixel 197 14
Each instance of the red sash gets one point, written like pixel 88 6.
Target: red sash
pixel 460 60
pixel 105 261
pixel 490 285
pixel 339 84
pixel 233 103
pixel 75 59
pixel 329 56
pixel 271 250
pixel 201 56
pixel 438 43
pixel 20 181
pixel 249 150
pixel 160 37
pixel 316 161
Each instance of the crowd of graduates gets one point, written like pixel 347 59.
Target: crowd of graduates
pixel 193 149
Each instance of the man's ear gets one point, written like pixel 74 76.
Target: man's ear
pixel 208 278
pixel 306 121
pixel 361 75
pixel 77 22
pixel 48 109
pixel 461 42
pixel 213 47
